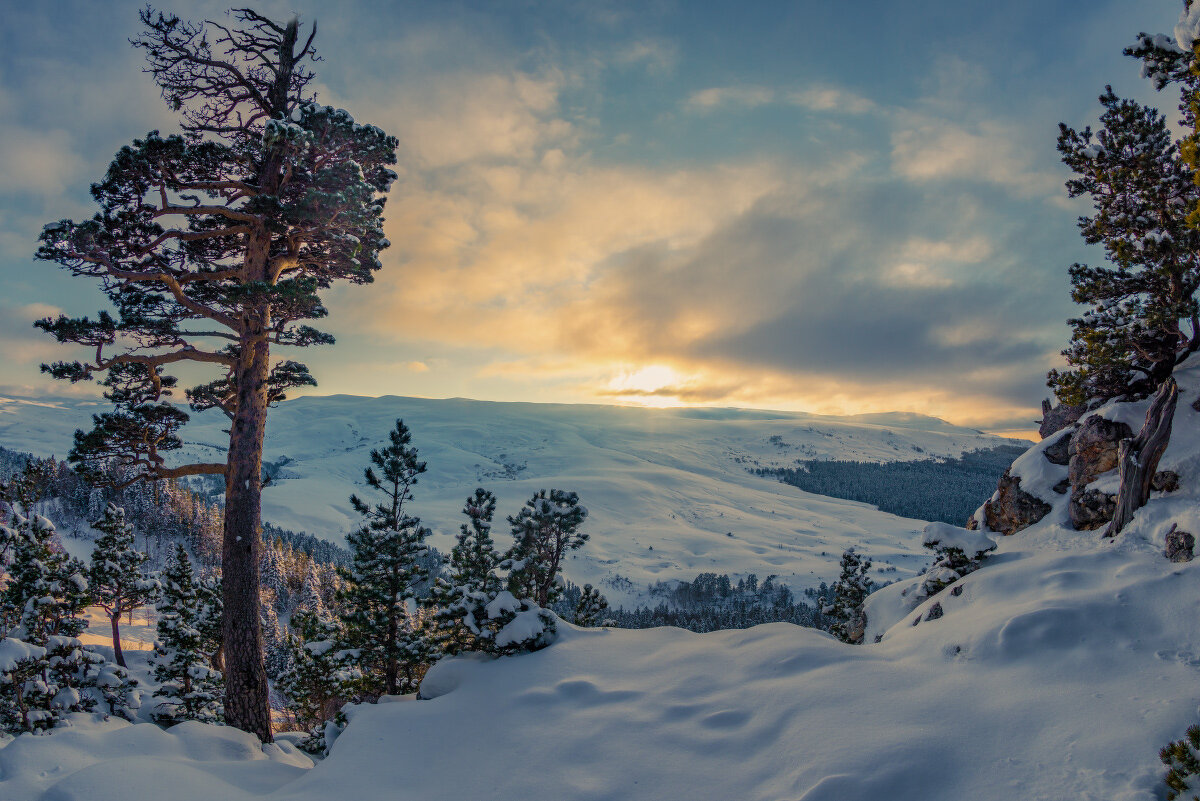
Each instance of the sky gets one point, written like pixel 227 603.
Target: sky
pixel 831 207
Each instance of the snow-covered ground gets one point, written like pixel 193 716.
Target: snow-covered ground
pixel 669 490
pixel 1064 664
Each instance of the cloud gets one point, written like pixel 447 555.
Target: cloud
pixel 710 99
pixel 464 118
pixel 658 57
pixel 813 98
pixel 928 150
pixel 829 98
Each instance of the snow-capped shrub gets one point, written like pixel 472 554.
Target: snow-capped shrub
pixel 959 551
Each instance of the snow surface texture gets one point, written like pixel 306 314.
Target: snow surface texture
pixel 1063 665
pixel 665 488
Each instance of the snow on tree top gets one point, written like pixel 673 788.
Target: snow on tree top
pixel 948 536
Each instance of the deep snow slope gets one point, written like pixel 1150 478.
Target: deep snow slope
pixel 669 490
pixel 1064 664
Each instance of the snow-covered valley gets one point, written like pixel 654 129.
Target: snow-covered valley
pixel 669 491
pixel 1055 671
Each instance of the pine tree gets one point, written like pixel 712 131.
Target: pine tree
pixel 545 529
pixel 471 582
pixel 1132 336
pixel 320 676
pixel 590 610
pixel 189 685
pixel 225 233
pixel 385 568
pixel 116 576
pixel 45 672
pixel 210 609
pixel 1182 759
pixel 850 591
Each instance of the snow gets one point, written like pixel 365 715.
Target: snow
pixel 674 479
pixel 1188 28
pixel 1058 670
pixel 948 536
pixel 13 651
pixel 527 625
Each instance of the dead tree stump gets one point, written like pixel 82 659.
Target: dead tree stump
pixel 1137 458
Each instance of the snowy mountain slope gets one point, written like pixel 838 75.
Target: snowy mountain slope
pixel 1057 673
pixel 669 492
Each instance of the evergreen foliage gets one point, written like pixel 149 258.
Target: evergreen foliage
pixel 460 598
pixel 45 671
pixel 189 686
pixel 947 490
pixel 320 676
pixel 474 607
pixel 591 609
pixel 211 247
pixel 850 592
pixel 1183 764
pixel 116 575
pixel 545 528
pixel 1144 195
pixel 385 569
pixel 712 602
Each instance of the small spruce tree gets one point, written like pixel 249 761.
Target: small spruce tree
pixel 850 591
pixel 320 676
pixel 545 529
pixel 460 598
pixel 592 606
pixel 116 576
pixel 189 686
pixel 1183 766
pixel 45 672
pixel 385 569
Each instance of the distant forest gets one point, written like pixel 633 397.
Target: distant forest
pixel 947 490
pixel 712 602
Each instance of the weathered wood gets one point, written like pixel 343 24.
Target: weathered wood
pixel 1138 457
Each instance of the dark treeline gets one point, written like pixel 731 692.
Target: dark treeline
pixel 713 601
pixel 948 490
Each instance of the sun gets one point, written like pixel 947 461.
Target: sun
pixel 647 386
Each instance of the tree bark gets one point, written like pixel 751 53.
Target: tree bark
pixel 117 654
pixel 1138 457
pixel 246 694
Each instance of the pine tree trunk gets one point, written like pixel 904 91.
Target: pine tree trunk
pixel 247 705
pixel 1138 458
pixel 120 657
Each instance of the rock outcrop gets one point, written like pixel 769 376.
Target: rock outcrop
pixel 1056 418
pixel 1011 508
pixel 1091 509
pixel 1180 545
pixel 1060 451
pixel 1093 449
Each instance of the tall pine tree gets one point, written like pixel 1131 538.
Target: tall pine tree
pixel 212 247
pixel 1142 318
